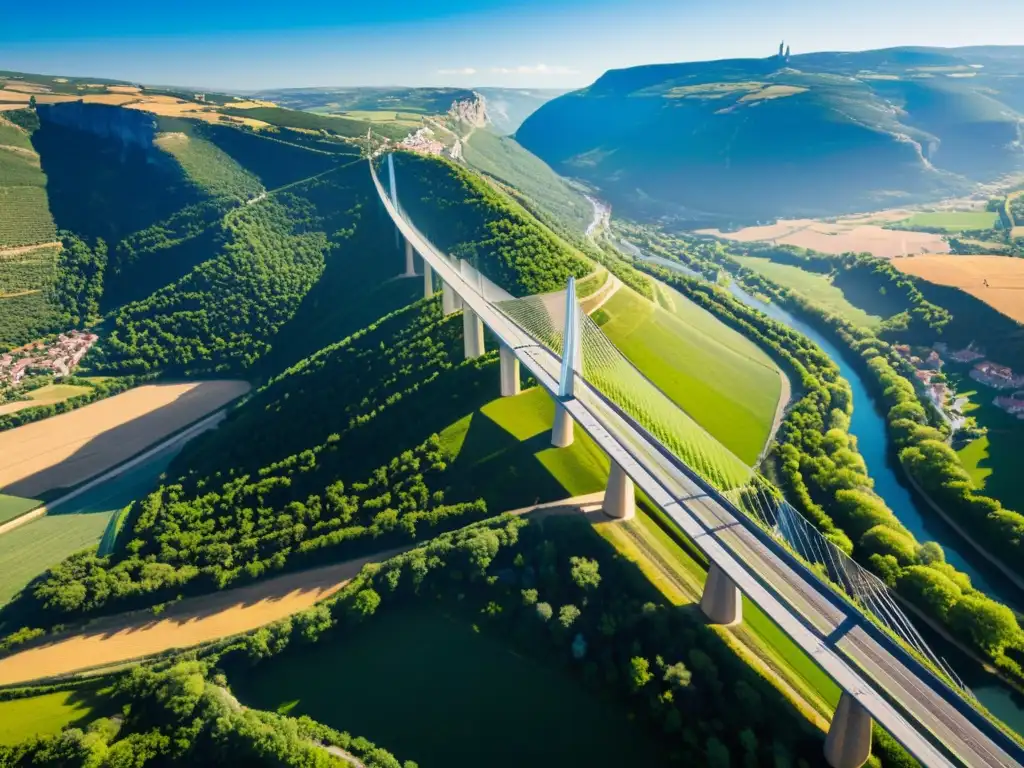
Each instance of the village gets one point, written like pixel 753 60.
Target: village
pixel 928 371
pixel 57 358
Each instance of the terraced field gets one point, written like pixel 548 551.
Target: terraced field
pixel 26 279
pixel 25 217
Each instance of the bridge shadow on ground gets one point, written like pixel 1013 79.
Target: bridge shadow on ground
pixel 117 444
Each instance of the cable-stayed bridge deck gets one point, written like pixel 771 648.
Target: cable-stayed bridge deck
pixel 920 708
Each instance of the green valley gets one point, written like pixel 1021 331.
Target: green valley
pixel 374 493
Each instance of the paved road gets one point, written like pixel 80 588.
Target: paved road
pixel 802 606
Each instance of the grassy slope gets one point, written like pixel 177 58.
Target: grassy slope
pixel 813 286
pixel 994 461
pixel 47 714
pixel 430 685
pixel 502 452
pixel 503 158
pixel 691 356
pixel 13 506
pixel 26 311
pixel 30 549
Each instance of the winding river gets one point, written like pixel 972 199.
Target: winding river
pixel 869 427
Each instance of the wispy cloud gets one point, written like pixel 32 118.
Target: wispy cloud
pixel 533 69
pixel 458 71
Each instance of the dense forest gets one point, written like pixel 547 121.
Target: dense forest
pixel 824 476
pixel 335 457
pixel 467 219
pixel 185 716
pixel 555 591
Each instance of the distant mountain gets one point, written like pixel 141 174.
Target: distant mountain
pixel 429 101
pixel 820 133
pixel 507 108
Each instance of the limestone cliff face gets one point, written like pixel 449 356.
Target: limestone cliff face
pixel 130 127
pixel 472 112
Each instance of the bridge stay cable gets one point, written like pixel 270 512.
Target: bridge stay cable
pixel 556 322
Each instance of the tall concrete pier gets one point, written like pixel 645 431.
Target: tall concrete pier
pixel 561 432
pixel 620 496
pixel 472 334
pixel 450 302
pixel 509 372
pixel 721 602
pixel 428 280
pixel 410 266
pixel 848 744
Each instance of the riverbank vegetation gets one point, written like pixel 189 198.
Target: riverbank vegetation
pixel 825 477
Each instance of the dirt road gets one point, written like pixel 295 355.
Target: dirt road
pixel 203 619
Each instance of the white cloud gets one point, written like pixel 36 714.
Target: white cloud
pixel 533 69
pixel 459 71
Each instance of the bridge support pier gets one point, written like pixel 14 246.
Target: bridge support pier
pixel 472 333
pixel 848 744
pixel 450 301
pixel 722 601
pixel 410 267
pixel 620 496
pixel 561 432
pixel 509 372
pixel 428 280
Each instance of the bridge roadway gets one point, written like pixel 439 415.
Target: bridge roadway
pixel 840 641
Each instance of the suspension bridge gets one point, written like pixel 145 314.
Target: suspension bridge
pixel 758 545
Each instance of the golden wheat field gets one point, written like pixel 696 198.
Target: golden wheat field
pixel 65 450
pixel 996 280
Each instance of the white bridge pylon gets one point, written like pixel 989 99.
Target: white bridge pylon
pixel 572 355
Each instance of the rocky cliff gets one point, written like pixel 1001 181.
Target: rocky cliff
pixel 130 127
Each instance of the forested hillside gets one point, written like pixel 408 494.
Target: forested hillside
pixel 340 451
pixel 467 219
pixel 738 140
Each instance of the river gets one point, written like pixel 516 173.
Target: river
pixel 869 427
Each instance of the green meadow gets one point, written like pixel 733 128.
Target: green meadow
pixel 952 221
pixel 815 286
pixel 722 380
pixel 48 714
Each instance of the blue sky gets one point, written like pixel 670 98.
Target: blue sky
pixel 248 44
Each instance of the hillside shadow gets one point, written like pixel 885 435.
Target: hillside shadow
pixel 121 442
pixel 504 471
pixel 867 297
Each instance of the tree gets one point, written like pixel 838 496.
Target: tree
pixel 639 672
pixel 678 676
pixel 988 624
pixel 585 573
pixel 929 589
pixel 544 611
pixel 364 604
pixel 567 615
pixel 717 754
